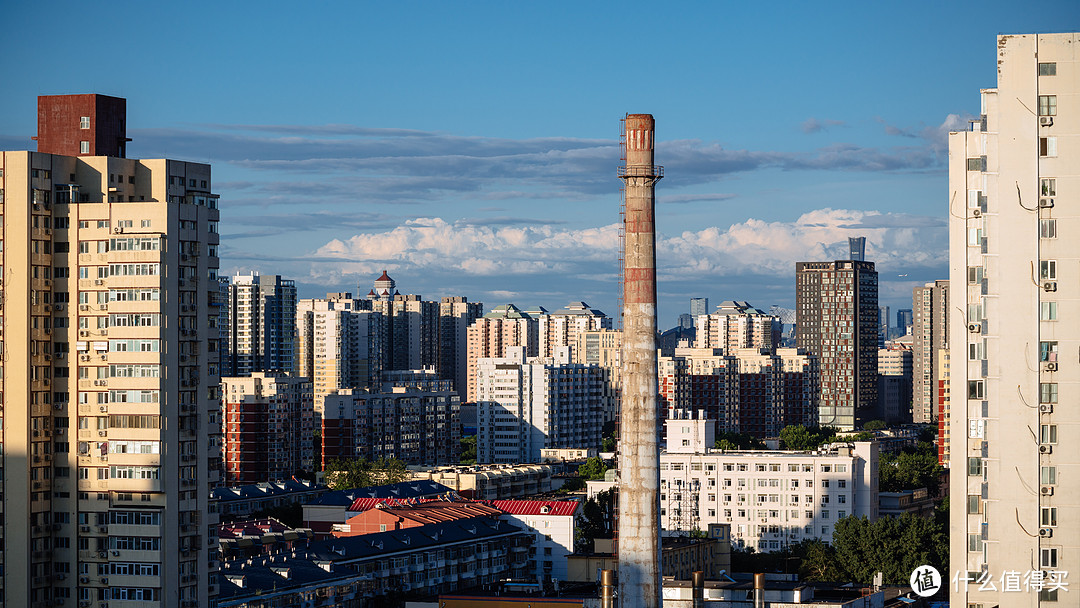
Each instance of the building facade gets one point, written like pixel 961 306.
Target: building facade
pixel 456 315
pixel 1014 425
pixel 411 424
pixel 894 383
pixel 562 327
pixel 771 499
pixel 261 313
pixel 490 336
pixel 262 426
pixel 524 405
pixel 734 325
pixel 339 341
pixel 110 376
pixel 836 308
pixel 930 329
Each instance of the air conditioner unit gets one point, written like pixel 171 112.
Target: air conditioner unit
pixel 118 230
pixel 58 307
pixel 975 327
pixel 102 433
pixel 1046 121
pixel 976 212
pixel 84 579
pixel 103 408
pixel 56 406
pixel 1045 449
pixel 98 282
pixel 104 307
pixel 115 553
pixel 84 307
pixel 60 355
pixel 103 554
pixel 1051 367
pixel 1046 203
pixel 1046 532
pixel 1046 490
pixel 1050 286
pixel 104 357
pixel 84 529
pixel 60 576
pixel 85 357
pixel 1046 408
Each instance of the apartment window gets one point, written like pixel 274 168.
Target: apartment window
pixel 84 122
pixel 1048 228
pixel 974 505
pixel 1048 350
pixel 1047 105
pixel 1048 517
pixel 1048 476
pixel 975 274
pixel 1048 186
pixel 974 465
pixel 1048 311
pixel 976 389
pixel 1049 557
pixel 976 164
pixel 1048 69
pixel 1047 146
pixel 975 543
pixel 1048 270
pixel 1048 392
pixel 1048 433
pixel 977 351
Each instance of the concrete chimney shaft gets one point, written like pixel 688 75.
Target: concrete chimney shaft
pixel 639 470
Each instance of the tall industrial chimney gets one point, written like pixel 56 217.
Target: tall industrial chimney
pixel 639 470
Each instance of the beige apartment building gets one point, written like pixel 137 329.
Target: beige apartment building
pixel 110 376
pixel 1014 335
pixel 338 345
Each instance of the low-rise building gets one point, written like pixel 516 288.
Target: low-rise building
pixel 553 524
pixel 336 507
pixel 771 498
pixel 493 482
pixel 383 517
pixel 241 502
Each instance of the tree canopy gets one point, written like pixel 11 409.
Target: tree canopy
pixel 799 437
pixel 347 474
pixel 468 450
pixel 738 441
pixel 911 469
pixel 593 469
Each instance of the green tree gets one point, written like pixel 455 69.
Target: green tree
pixel 875 425
pixel 597 516
pixel 799 437
pixel 738 441
pixel 347 474
pixel 608 444
pixel 891 545
pixel 910 470
pixel 593 469
pixel 468 450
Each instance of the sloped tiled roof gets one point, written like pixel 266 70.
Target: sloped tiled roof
pixel 536 507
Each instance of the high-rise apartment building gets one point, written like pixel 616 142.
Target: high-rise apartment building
pixel 338 343
pixel 490 336
pixel 261 312
pixel 755 391
pixel 524 405
pixel 930 330
pixel 894 384
pixel 734 325
pixel 1013 330
pixel 562 327
pixel 261 423
pixel 836 308
pixel 603 347
pixel 456 315
pixel 110 376
pixel 883 326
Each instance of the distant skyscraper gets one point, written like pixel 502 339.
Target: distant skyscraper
pixel 904 319
pixel 837 320
pixel 1013 326
pixel 261 312
pixel 699 306
pixel 110 383
pixel 894 384
pixel 929 329
pixel 857 248
pixel 883 321
pixel 686 321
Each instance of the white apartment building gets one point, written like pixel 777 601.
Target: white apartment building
pixel 562 327
pixel 524 405
pixel 1013 326
pixel 110 378
pixel 339 343
pixel 261 312
pixel 734 325
pixel 770 498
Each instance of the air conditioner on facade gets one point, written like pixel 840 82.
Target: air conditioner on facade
pixel 1046 490
pixel 118 230
pixel 1050 286
pixel 58 307
pixel 976 212
pixel 975 327
pixel 1046 121
pixel 1046 408
pixel 1046 203
pixel 1045 449
pixel 1046 532
pixel 1051 367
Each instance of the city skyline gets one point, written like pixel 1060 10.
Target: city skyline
pixel 425 146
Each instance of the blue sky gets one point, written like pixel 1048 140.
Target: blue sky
pixel 471 148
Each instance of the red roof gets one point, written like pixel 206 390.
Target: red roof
pixel 366 502
pixel 536 507
pixel 371 293
pixel 384 277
